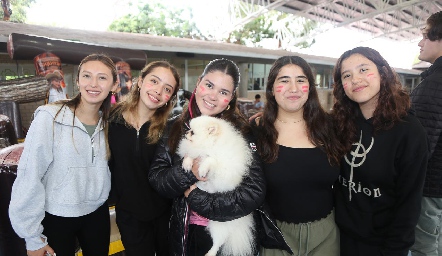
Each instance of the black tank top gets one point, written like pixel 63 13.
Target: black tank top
pixel 299 185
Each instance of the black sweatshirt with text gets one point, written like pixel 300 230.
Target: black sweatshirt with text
pixel 379 189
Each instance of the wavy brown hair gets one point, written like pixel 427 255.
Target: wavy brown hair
pixel 393 103
pixel 231 114
pixel 159 118
pixel 320 129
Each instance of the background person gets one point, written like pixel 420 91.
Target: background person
pixel 379 191
pixel 301 155
pixel 136 125
pixel 63 180
pixel 258 106
pixel 427 102
pixel 55 92
pixel 214 95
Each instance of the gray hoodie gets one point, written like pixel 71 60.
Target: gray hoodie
pixel 62 171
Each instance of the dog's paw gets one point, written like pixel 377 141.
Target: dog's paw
pixel 187 163
pixel 202 172
pixel 205 166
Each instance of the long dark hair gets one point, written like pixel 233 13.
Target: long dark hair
pixel 159 118
pixel 231 114
pixel 319 126
pixel 392 105
pixel 106 104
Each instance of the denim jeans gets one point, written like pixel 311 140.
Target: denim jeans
pixel 428 230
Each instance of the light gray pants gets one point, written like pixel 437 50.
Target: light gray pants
pixel 428 230
pixel 316 238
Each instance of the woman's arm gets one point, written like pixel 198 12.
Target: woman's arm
pixel 27 205
pixel 411 166
pixel 247 197
pixel 166 174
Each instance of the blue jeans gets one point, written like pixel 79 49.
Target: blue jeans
pixel 428 230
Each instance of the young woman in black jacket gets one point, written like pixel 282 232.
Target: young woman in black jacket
pixel 215 95
pixel 135 127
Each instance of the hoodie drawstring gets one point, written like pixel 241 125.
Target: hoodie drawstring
pixel 301 226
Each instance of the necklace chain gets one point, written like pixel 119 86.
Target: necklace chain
pixel 288 122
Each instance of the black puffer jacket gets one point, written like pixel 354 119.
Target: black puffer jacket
pixel 427 102
pixel 170 180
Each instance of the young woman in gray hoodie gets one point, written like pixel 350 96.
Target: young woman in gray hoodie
pixel 63 180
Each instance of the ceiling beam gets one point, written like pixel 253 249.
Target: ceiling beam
pixel 394 19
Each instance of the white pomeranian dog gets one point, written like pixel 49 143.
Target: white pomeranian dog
pixel 224 159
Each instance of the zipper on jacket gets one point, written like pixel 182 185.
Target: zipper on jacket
pixel 137 143
pixel 186 230
pixel 267 217
pixel 92 146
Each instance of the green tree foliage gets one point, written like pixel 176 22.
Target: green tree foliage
pixel 285 28
pixel 156 19
pixel 253 32
pixel 19 8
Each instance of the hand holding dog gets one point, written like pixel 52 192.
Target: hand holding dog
pixel 195 170
pixel 187 192
pixel 219 157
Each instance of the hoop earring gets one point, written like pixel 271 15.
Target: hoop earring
pixel 228 107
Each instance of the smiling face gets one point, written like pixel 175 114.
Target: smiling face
pixel 214 92
pixel 95 81
pixel 156 88
pixel 291 88
pixel 361 82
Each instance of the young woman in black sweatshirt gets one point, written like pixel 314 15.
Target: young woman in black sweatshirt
pixel 135 127
pixel 378 195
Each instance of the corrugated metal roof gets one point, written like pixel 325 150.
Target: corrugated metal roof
pixel 157 46
pixel 394 19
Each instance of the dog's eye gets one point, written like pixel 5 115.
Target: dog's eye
pixel 192 133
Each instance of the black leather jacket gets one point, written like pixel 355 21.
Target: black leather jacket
pixel 269 235
pixel 170 180
pixel 427 103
